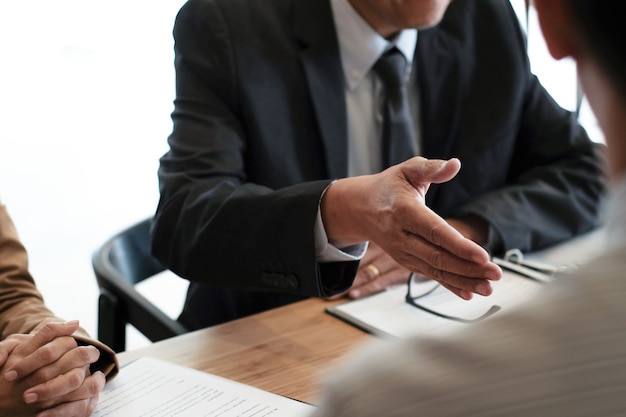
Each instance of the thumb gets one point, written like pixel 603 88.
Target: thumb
pixel 422 171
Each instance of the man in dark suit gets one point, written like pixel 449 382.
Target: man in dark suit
pixel 274 180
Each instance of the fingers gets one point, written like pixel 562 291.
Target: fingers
pixel 46 346
pixel 464 294
pixel 71 409
pixel 50 332
pixel 376 273
pixel 93 402
pixel 419 220
pixel 44 356
pixel 79 403
pixel 438 233
pixel 461 276
pixel 7 345
pixel 56 387
pixel 435 260
pixel 429 245
pixel 61 377
pixel 393 277
pixel 91 407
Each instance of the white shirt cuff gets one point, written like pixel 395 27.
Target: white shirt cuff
pixel 326 252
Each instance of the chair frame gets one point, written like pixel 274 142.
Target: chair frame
pixel 119 302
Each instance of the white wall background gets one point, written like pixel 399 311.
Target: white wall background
pixel 86 90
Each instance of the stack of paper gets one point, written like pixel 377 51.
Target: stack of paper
pixel 151 387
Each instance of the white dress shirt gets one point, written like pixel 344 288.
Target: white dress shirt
pixel 360 46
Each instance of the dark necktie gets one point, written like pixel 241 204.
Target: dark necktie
pixel 398 131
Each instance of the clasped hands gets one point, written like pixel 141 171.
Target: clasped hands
pixel 389 210
pixel 47 374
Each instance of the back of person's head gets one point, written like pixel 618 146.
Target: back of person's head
pixel 604 29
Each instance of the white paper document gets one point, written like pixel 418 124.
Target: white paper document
pixel 388 315
pixel 151 387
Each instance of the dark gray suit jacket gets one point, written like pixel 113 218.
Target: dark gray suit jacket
pixel 260 131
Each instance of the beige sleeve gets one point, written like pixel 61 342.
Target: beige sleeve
pixel 22 308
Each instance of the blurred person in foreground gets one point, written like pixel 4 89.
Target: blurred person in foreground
pixel 562 355
pixel 281 181
pixel 48 368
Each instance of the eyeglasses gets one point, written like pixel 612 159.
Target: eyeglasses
pixel 422 293
pixel 415 292
pixel 514 261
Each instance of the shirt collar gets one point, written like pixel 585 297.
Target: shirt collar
pixel 360 46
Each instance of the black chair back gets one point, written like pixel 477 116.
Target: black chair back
pixel 121 263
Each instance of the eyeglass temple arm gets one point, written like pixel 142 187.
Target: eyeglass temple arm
pixel 492 310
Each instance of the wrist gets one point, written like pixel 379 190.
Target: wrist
pixel 340 218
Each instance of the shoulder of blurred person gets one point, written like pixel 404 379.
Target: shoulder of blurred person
pixel 560 355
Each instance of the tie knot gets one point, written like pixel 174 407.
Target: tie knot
pixel 391 68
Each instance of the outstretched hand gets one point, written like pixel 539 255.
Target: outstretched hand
pixel 390 210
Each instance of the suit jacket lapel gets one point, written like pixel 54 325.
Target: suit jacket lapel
pixel 315 32
pixel 439 83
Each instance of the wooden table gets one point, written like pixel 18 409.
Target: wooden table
pixel 285 350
